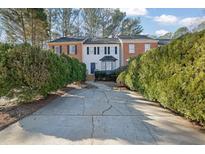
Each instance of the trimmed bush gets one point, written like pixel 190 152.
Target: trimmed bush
pixel 173 75
pixel 26 71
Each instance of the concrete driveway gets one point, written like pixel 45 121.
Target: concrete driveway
pixel 101 114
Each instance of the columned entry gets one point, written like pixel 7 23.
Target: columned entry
pixel 108 63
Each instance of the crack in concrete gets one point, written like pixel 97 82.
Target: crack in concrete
pixel 106 109
pixel 108 102
pixel 83 106
pixel 92 131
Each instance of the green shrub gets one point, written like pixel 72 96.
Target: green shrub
pixel 174 75
pixel 26 71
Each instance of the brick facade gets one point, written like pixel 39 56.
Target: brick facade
pixel 77 55
pixel 139 49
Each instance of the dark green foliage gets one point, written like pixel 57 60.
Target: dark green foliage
pixel 26 71
pixel 108 75
pixel 173 75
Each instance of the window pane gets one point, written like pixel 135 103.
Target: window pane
pixel 131 48
pixel 98 50
pixel 87 50
pixel 94 50
pixel 72 49
pixel 146 47
pixel 57 50
pixel 108 50
pixel 105 50
pixel 115 50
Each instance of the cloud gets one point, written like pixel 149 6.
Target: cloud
pixel 161 32
pixel 166 19
pixel 135 11
pixel 192 21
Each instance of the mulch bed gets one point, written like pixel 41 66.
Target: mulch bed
pixel 12 114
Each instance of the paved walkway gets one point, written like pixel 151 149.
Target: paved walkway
pixel 102 115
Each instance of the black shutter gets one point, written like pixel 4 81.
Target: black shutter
pixel 98 50
pixel 115 50
pixel 108 50
pixel 76 49
pixel 68 50
pixel 94 50
pixel 60 49
pixel 87 50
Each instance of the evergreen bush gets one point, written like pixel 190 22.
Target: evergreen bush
pixel 173 75
pixel 27 71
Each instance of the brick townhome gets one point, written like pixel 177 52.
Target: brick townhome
pixel 103 53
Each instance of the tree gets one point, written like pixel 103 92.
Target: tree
pixel 37 26
pixel 114 28
pixel 200 27
pixel 131 26
pixel 166 36
pixel 52 22
pixel 105 20
pixel 180 32
pixel 65 19
pixel 25 25
pixel 91 18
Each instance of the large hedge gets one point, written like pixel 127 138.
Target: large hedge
pixel 26 71
pixel 173 75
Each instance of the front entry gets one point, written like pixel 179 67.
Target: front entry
pixel 92 68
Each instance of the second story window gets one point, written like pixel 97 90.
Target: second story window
pixel 147 47
pixel 94 50
pixel 116 50
pixel 105 50
pixel 131 48
pixel 58 50
pixel 108 50
pixel 88 50
pixel 98 50
pixel 72 49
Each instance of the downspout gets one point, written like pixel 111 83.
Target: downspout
pixel 121 54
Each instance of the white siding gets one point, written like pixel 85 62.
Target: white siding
pixel 91 58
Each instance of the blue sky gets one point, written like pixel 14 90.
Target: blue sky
pixel 158 21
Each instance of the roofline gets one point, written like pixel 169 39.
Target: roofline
pixel 139 40
pixel 68 42
pixel 102 43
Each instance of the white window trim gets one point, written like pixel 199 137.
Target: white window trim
pixel 70 51
pixel 57 50
pixel 145 47
pixel 131 50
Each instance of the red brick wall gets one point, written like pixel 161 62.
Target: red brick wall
pixel 139 49
pixel 64 49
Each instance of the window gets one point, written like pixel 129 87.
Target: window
pixel 146 47
pixel 105 50
pixel 72 49
pixel 131 48
pixel 87 50
pixel 53 47
pixel 98 50
pixel 116 50
pixel 108 50
pixel 94 50
pixel 58 49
